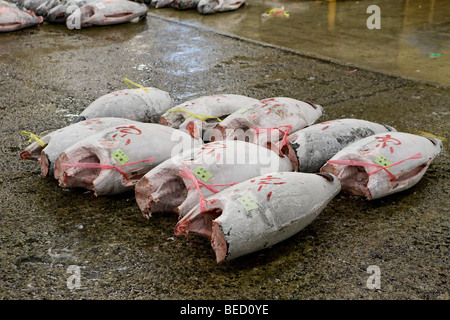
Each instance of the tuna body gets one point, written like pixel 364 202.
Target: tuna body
pixel 311 147
pixel 113 160
pixel 383 164
pixel 260 212
pixel 142 104
pixel 13 18
pixel 182 182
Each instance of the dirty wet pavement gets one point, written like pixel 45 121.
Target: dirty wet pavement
pixel 50 72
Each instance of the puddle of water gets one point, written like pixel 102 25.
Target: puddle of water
pixel 413 41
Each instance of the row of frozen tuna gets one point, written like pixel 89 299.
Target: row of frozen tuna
pixel 202 6
pixel 77 14
pixel 246 190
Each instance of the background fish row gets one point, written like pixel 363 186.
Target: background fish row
pixel 76 14
pixel 246 191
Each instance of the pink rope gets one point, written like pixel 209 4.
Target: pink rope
pixel 284 132
pixel 187 174
pixel 104 166
pixel 366 164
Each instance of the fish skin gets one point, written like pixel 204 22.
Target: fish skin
pixel 68 135
pixel 161 3
pixel 13 18
pixel 269 113
pixel 184 4
pixel 280 211
pixel 311 147
pixel 217 106
pixel 139 142
pixel 106 12
pixel 213 6
pixel 141 104
pixel 393 146
pixel 59 140
pixel 232 161
pixel 59 13
pixel 46 7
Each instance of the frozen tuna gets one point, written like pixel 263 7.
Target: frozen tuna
pixel 45 8
pixel 60 12
pixel 383 164
pixel 311 147
pixel 161 3
pixel 106 12
pixel 31 5
pixel 13 18
pixel 182 182
pixel 184 4
pixel 269 120
pixel 113 160
pixel 260 212
pixel 202 114
pixel 49 147
pixel 213 6
pixel 141 104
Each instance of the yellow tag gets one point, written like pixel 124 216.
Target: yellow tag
pixel 35 137
pixel 248 202
pixel 202 173
pixel 382 161
pixel 120 156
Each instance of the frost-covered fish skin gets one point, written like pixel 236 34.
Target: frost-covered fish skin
pixel 13 18
pixel 213 6
pixel 203 113
pixel 311 147
pixel 106 12
pixel 161 3
pixel 113 160
pixel 260 212
pixel 184 4
pixel 180 183
pixel 269 114
pixel 383 164
pixel 46 7
pixel 141 104
pixel 60 12
pixel 59 140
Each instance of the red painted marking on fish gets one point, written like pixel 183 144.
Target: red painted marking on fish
pixel 212 147
pixel 129 130
pixel 325 128
pixel 128 142
pixel 388 139
pixel 269 195
pixel 91 121
pixel 269 111
pixel 268 180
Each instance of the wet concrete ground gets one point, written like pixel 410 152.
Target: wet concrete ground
pixel 413 40
pixel 50 72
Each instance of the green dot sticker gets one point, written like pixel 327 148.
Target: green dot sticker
pixel 202 173
pixel 248 202
pixel 382 161
pixel 120 156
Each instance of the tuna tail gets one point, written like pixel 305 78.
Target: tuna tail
pixel 79 119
